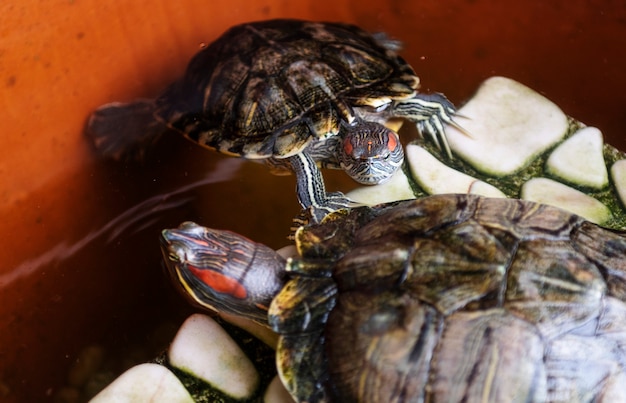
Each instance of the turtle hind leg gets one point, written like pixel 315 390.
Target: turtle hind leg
pixel 311 190
pixel 123 131
pixel 429 112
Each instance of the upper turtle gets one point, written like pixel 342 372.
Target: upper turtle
pixel 295 93
pixel 445 298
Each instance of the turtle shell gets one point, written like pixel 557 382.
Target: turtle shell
pixel 455 298
pixel 267 88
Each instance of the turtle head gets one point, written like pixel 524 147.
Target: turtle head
pixel 370 152
pixel 223 271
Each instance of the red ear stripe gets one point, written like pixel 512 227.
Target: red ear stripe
pixel 392 143
pixel 347 146
pixel 219 282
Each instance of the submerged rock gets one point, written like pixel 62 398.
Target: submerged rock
pixel 203 349
pixel 145 383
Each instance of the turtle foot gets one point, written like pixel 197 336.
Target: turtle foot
pixel 315 214
pixel 334 201
pixel 430 112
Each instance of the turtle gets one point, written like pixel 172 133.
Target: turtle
pixel 454 297
pixel 293 93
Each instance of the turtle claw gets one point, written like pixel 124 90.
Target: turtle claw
pixel 337 201
pixel 434 128
pixel 458 126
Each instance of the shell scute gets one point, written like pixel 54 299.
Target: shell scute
pixel 267 107
pixel 364 67
pixel 554 286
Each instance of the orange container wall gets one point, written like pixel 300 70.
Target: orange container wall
pixel 61 59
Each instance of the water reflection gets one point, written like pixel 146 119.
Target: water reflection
pixel 135 219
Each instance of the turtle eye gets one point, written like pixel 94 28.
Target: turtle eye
pixel 174 257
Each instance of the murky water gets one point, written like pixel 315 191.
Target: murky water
pixel 107 287
pixel 102 284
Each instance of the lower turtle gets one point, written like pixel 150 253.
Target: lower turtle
pixel 295 94
pixel 455 298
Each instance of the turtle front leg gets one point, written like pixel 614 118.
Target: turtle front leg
pixel 302 366
pixel 429 112
pixel 311 190
pixel 298 313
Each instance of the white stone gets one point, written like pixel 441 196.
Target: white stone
pixel 437 178
pixel 618 174
pixel 149 383
pixel 288 251
pixel 276 393
pixel 396 188
pixel 203 349
pixel 580 159
pixel 263 333
pixel 508 125
pixel 548 191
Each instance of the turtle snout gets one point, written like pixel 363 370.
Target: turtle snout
pixel 372 171
pixel 371 156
